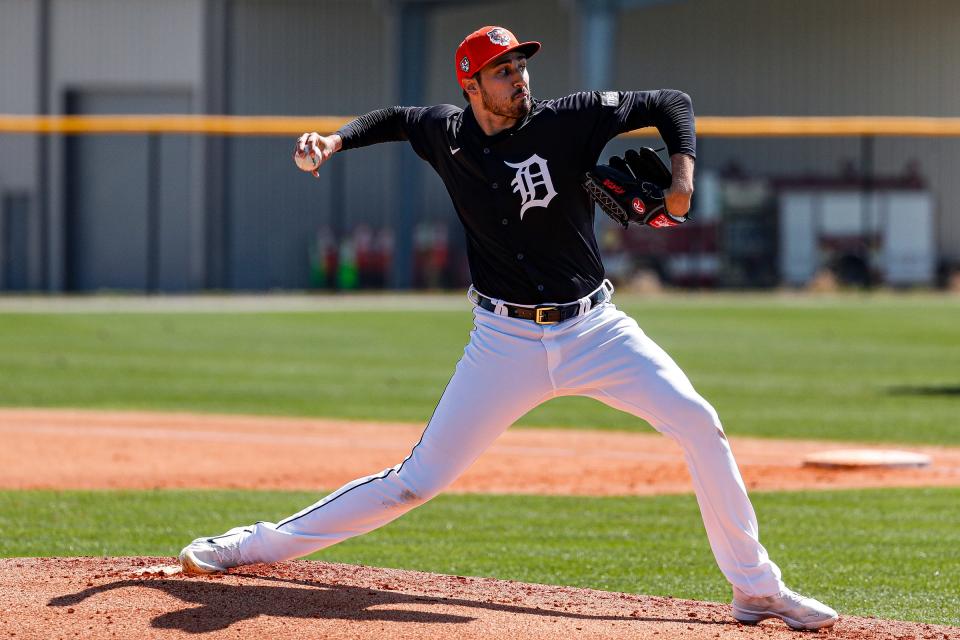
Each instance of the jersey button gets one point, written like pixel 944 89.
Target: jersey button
pixel 519 256
pixel 505 221
pixel 486 150
pixel 539 287
pixel 495 185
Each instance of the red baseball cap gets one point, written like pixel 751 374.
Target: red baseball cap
pixel 486 43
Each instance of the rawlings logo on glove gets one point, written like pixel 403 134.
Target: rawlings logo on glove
pixel 630 189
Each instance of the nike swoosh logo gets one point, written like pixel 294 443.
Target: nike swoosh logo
pixel 454 151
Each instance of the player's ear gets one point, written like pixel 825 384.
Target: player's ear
pixel 470 86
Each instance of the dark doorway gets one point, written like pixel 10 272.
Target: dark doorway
pixel 128 198
pixel 15 242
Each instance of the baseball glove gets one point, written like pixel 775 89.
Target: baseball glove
pixel 630 189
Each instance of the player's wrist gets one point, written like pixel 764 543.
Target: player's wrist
pixel 681 168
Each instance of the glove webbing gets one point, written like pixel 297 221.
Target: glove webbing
pixel 605 201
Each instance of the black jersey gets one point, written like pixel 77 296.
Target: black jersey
pixel 528 220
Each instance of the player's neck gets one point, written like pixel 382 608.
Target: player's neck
pixel 491 123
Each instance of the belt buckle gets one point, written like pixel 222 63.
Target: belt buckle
pixel 539 315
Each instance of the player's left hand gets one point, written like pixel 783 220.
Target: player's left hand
pixel 677 199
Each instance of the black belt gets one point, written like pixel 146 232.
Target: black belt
pixel 546 313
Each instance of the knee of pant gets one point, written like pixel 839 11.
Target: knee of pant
pixel 418 491
pixel 424 479
pixel 695 417
pixel 425 490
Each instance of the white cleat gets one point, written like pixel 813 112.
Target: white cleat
pixel 799 612
pixel 215 554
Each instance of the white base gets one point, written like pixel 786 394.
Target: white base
pixel 866 458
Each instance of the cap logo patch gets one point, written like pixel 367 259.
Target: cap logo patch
pixel 499 36
pixel 465 64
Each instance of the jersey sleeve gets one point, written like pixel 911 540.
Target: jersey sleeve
pixel 422 127
pixel 611 113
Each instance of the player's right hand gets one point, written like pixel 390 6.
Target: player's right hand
pixel 312 150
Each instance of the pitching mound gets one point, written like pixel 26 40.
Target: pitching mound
pixel 136 598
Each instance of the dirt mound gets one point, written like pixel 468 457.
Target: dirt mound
pixel 136 597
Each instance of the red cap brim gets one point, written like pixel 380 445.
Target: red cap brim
pixel 528 49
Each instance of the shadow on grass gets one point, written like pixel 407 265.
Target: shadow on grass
pixel 221 605
pixel 925 390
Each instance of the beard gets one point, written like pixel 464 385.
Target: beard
pixel 507 107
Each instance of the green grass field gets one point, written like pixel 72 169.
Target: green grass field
pixel 872 368
pixel 888 553
pixel 854 368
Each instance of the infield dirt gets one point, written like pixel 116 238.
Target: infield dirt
pixel 137 450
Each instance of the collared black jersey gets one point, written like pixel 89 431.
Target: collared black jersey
pixel 528 220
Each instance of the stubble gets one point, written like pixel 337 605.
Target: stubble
pixel 507 107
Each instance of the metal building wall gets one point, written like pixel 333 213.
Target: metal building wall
pixel 19 93
pixel 120 46
pixel 809 57
pixel 296 57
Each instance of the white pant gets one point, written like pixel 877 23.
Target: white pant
pixel 509 367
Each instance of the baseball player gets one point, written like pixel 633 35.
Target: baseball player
pixel 544 322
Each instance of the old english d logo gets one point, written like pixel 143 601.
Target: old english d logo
pixel 533 183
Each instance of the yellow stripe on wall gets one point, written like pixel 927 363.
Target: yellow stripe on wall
pixel 200 124
pixel 827 126
pixel 728 127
